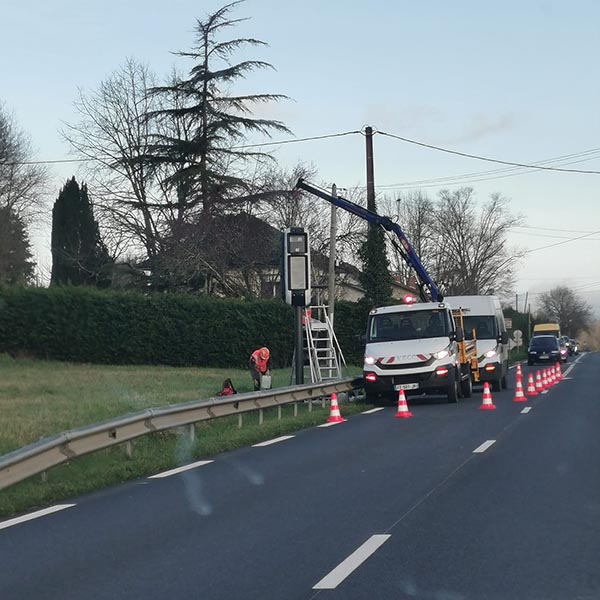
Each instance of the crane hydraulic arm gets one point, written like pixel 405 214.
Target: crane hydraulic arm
pixel 428 291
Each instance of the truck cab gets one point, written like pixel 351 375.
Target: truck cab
pixel 414 348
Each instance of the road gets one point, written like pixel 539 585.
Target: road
pixel 453 504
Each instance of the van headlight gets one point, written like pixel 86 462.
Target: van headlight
pixel 490 354
pixel 441 354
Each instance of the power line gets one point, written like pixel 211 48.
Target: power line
pixel 296 140
pixel 487 159
pixel 494 173
pixel 276 143
pixel 551 229
pixel 556 237
pixel 563 242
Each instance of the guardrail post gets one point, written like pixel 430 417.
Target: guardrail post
pixel 129 449
pixel 279 413
pixel 240 421
pixel 310 405
pixel 192 432
pixel 295 409
pixel 44 476
pixel 260 416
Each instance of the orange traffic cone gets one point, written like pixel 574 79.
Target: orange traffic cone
pixel 531 386
pixel 553 380
pixel 539 386
pixel 486 402
pixel 545 379
pixel 519 395
pixel 558 372
pixel 334 411
pixel 402 412
pixel 519 375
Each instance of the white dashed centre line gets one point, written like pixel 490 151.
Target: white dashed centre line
pixel 526 410
pixel 335 577
pixel 484 446
pixel 273 441
pixel 194 465
pixel 373 410
pixel 35 515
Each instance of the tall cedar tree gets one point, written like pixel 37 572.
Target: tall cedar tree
pixel 16 266
pixel 78 255
pixel 207 123
pixel 375 277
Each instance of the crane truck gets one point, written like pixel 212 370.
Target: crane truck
pixel 416 347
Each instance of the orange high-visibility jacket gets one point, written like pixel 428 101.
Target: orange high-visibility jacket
pixel 260 363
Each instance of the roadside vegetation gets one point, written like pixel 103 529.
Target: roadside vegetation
pixel 42 398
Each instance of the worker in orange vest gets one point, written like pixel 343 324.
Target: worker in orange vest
pixel 260 364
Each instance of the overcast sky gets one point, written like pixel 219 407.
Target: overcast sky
pixel 514 80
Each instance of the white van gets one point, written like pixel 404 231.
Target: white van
pixel 414 348
pixel 484 315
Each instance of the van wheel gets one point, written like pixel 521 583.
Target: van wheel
pixel 466 387
pixel 453 393
pixel 497 384
pixel 504 383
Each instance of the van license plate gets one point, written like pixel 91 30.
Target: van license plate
pixel 407 386
pixel 544 356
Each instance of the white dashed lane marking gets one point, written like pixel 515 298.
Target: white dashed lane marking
pixel 273 441
pixel 350 564
pixel 484 446
pixel 35 515
pixel 194 465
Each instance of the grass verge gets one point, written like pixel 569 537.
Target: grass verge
pixel 39 398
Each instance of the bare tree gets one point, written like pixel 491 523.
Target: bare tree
pixel 473 254
pixel 563 305
pixel 22 185
pixel 415 214
pixel 114 135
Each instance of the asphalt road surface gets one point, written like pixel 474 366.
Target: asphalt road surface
pixel 452 504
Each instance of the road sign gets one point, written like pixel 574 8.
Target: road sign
pixel 518 335
pixel 508 321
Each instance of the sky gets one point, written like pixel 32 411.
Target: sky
pixel 516 81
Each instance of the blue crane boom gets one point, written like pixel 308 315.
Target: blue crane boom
pixel 404 248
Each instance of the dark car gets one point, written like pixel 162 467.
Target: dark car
pixel 545 349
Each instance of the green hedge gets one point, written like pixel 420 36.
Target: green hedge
pixel 88 325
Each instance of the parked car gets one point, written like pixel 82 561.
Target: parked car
pixel 545 349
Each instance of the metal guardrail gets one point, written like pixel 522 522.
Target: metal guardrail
pixel 52 451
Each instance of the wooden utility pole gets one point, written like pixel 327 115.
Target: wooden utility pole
pixel 370 170
pixel 332 240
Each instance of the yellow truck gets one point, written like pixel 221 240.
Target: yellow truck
pixel 547 329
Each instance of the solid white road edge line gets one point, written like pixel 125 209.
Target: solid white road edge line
pixel 484 446
pixel 569 369
pixel 273 441
pixel 330 424
pixel 373 410
pixel 35 515
pixel 335 577
pixel 200 463
pixel 526 410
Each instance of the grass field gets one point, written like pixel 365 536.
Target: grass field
pixel 41 398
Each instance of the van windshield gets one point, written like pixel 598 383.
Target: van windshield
pixel 410 325
pixel 486 328
pixel 545 342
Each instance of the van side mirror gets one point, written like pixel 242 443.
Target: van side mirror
pixel 504 337
pixel 459 334
pixel 360 341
